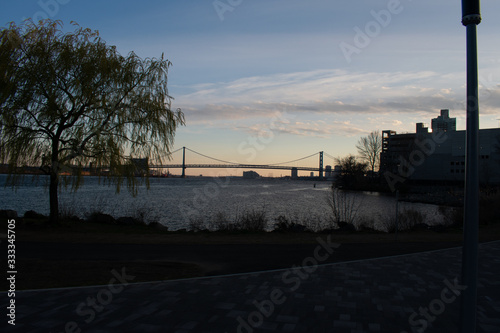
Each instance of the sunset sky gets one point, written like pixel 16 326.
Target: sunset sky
pixel 263 81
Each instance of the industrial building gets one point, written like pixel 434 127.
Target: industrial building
pixel 250 175
pixel 438 157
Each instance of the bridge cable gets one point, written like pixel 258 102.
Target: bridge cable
pixel 328 155
pixel 173 152
pixel 235 163
pixel 215 159
pixel 300 159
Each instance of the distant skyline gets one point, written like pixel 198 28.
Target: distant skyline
pixel 271 81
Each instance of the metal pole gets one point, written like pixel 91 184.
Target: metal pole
pixel 320 165
pixel 471 17
pixel 183 162
pixel 397 214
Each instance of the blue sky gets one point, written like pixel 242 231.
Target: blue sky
pixel 264 81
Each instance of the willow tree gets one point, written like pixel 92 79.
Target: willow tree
pixel 68 100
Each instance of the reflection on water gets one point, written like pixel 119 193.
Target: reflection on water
pixel 174 201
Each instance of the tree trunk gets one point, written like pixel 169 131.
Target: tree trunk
pixel 54 200
pixel 54 183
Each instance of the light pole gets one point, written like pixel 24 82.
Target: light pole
pixel 471 17
pixel 183 162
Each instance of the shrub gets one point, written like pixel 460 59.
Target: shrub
pixel 101 218
pixel 346 227
pixel 158 226
pixel 145 216
pixel 489 207
pixel 252 221
pixel 221 222
pixel 365 224
pixel 344 206
pixel 8 214
pixel 129 221
pixel 196 223
pixel 283 224
pixel 452 216
pixel 68 210
pixel 408 219
pixel 31 214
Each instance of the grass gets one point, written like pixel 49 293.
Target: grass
pixel 35 272
pixel 87 232
pixel 38 274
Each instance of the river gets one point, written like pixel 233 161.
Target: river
pixel 175 202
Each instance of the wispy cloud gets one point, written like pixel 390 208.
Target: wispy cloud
pixel 330 92
pixel 318 129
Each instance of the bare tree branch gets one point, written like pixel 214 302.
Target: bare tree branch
pixel 369 149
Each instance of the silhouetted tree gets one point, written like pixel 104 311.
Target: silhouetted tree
pixel 68 100
pixel 352 171
pixel 369 148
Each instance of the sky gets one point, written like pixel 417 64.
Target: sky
pixel 269 81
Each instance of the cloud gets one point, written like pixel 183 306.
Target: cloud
pixel 315 91
pixel 304 128
pixel 249 103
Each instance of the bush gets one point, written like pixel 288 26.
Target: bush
pixel 68 210
pixel 101 218
pixel 344 206
pixel 408 219
pixel 144 216
pixel 489 210
pixel 452 216
pixel 365 224
pixel 158 226
pixel 255 221
pixel 31 214
pixel 129 221
pixel 283 224
pixel 196 223
pixel 489 207
pixel 221 222
pixel 346 227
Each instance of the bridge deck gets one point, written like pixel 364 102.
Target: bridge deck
pixel 232 166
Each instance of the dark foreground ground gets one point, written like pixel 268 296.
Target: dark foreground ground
pixel 87 254
pixel 398 294
pixel 48 264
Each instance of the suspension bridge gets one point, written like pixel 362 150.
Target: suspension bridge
pixel 222 164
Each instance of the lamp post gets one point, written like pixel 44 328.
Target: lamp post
pixel 471 17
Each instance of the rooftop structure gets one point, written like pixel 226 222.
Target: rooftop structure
pixel 444 122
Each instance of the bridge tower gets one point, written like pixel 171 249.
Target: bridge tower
pixel 183 162
pixel 320 165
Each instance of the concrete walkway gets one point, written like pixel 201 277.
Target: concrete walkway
pixel 410 293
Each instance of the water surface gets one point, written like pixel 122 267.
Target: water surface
pixel 175 202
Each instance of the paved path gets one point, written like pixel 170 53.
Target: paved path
pixel 410 293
